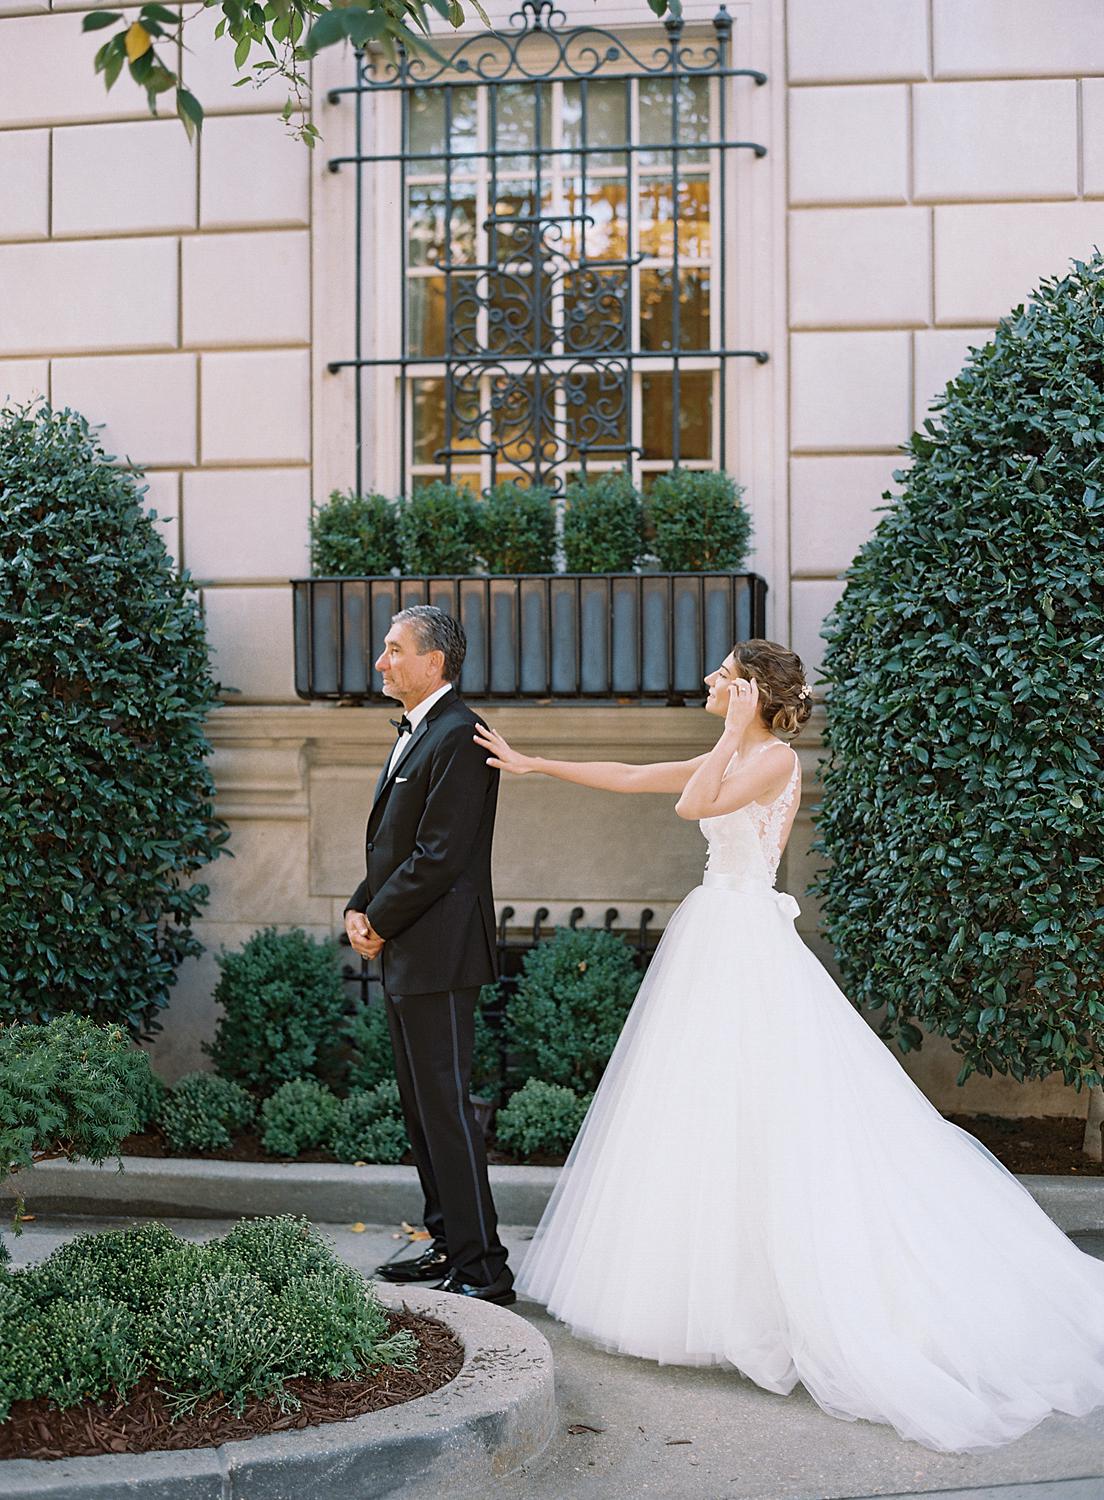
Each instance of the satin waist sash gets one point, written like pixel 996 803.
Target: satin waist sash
pixel 748 885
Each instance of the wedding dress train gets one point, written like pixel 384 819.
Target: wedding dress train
pixel 758 1183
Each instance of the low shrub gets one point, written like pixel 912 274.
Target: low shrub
pixel 236 1317
pixel 697 521
pixel 283 1003
pixel 440 530
pixel 571 1002
pixel 368 1125
pixel 603 528
pixel 518 532
pixel 70 1088
pixel 297 1117
pixel 354 535
pixel 541 1117
pixel 201 1110
pixel 372 1060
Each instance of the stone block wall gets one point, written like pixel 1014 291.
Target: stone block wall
pixel 943 155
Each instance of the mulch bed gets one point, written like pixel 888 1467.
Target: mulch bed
pixel 142 1423
pixel 1032 1144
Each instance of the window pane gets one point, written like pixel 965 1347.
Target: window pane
pixel 596 417
pixel 429 424
pixel 607 119
pixel 657 235
pixel 596 311
pixel 695 414
pixel 657 323
pixel 427 121
pixel 514 326
pixel 659 128
pixel 429 243
pixel 426 312
pixel 606 211
pixel 515 117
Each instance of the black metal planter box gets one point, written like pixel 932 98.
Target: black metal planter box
pixel 556 635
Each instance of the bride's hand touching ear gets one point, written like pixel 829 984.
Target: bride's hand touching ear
pixel 501 756
pixel 743 704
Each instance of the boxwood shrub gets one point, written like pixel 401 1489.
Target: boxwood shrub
pixel 107 816
pixel 202 1111
pixel 440 529
pixel 564 1018
pixel 518 529
pixel 354 535
pixel 963 808
pixel 697 521
pixel 603 524
pixel 283 1004
pixel 541 1117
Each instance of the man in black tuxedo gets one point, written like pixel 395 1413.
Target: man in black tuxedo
pixel 425 907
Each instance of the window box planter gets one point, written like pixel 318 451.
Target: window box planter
pixel 556 635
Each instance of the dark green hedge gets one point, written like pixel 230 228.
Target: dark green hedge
pixel 963 808
pixel 106 802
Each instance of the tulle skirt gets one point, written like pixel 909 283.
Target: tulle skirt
pixel 759 1184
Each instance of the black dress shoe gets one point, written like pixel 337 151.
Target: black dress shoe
pixel 431 1265
pixel 501 1291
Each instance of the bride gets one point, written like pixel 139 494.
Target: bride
pixel 759 1184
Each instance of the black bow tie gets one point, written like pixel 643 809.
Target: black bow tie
pixel 403 725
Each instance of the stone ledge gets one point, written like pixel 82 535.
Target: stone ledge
pixel 330 1193
pixel 496 1415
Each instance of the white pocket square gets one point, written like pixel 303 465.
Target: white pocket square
pixel 402 778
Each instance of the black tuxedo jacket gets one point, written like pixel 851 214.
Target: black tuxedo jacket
pixel 427 886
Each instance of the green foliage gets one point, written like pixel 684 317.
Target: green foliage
pixel 237 1316
pixel 440 529
pixel 283 1002
pixel 297 1117
pixel 518 529
pixel 541 1117
pixel 107 806
pixel 698 522
pixel 368 1125
pixel 963 808
pixel 373 1060
pixel 603 528
pixel 69 1088
pixel 570 1004
pixel 354 536
pixel 201 1110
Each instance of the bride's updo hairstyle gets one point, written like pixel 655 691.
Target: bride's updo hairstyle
pixel 785 698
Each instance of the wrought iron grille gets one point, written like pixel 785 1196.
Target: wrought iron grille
pixel 560 247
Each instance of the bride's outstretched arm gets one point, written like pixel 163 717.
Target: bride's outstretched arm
pixel 605 775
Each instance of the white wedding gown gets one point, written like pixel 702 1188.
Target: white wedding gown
pixel 759 1184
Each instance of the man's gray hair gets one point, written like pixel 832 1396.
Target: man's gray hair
pixel 436 631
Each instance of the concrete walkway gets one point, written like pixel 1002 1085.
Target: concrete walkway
pixel 629 1428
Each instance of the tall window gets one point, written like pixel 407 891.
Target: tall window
pixel 563 306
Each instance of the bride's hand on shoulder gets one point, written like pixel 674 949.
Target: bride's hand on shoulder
pixel 501 756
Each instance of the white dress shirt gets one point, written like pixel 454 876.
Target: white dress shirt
pixel 416 715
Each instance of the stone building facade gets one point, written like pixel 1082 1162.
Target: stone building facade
pixel 927 161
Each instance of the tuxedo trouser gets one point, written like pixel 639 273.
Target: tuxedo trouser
pixel 432 1036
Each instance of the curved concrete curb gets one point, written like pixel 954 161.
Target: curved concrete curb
pixel 184 1187
pixel 498 1414
pixel 328 1193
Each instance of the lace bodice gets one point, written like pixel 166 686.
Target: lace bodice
pixel 748 841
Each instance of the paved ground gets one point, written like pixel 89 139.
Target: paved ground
pixel 629 1428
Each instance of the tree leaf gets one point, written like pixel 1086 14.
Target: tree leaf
pixel 138 41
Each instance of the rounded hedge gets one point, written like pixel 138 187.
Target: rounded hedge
pixel 603 524
pixel 698 521
pixel 963 807
pixel 108 808
pixel 354 535
pixel 571 1001
pixel 283 1005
